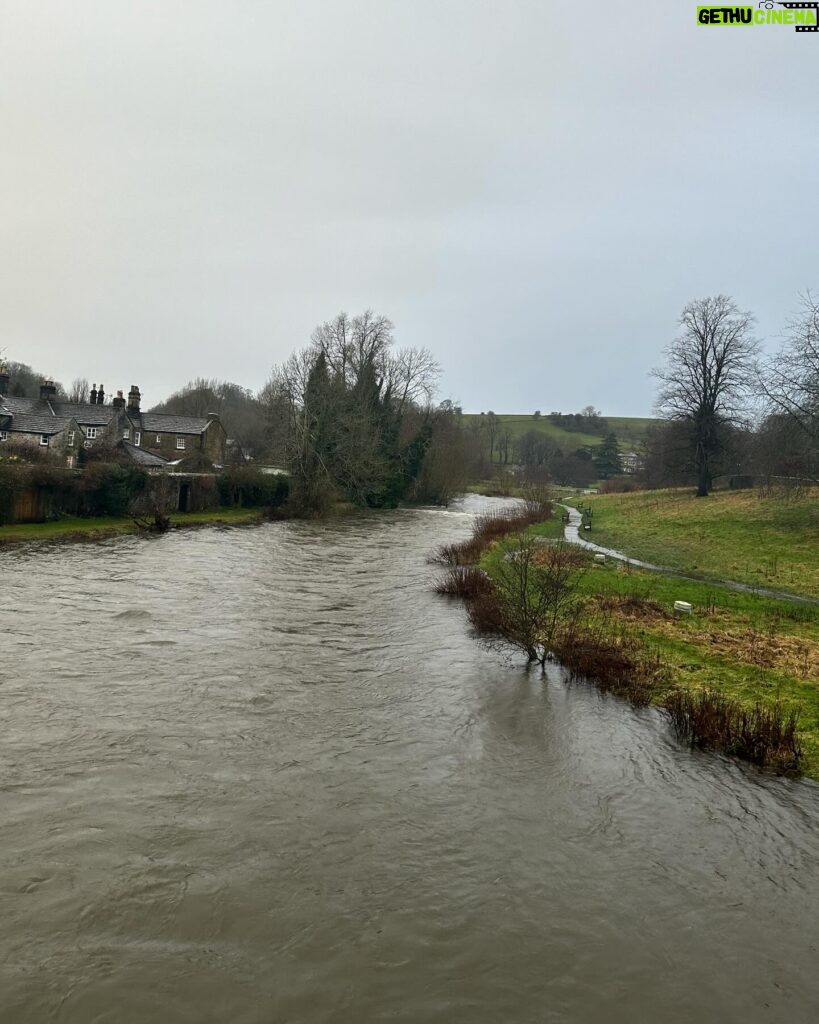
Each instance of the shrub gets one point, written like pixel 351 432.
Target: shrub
pixel 613 659
pixel 464 581
pixel 249 488
pixel 764 735
pixel 109 489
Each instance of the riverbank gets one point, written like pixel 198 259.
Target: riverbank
pixel 68 529
pixel 748 650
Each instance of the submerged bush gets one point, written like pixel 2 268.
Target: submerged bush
pixel 767 736
pixel 464 581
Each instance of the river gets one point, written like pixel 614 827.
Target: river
pixel 265 775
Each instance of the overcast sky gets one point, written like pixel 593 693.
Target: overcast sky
pixel 531 189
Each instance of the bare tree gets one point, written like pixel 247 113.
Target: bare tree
pixel 412 375
pixel 708 376
pixel 492 424
pixel 536 592
pixel 790 380
pixel 79 390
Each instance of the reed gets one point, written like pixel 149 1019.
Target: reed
pixel 765 735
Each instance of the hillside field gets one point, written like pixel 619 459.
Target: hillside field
pixel 629 429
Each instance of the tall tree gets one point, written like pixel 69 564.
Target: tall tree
pixel 354 422
pixel 607 457
pixel 708 377
pixel 790 379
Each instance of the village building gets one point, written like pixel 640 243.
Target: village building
pixel 154 440
pixel 631 462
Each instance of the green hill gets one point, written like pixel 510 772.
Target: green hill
pixel 629 429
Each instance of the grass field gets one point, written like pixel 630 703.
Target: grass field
pixel 738 535
pixel 629 430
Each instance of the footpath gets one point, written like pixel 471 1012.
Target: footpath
pixel 572 533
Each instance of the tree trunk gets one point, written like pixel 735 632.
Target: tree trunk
pixel 703 478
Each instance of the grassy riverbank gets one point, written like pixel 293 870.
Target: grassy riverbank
pixel 751 651
pixel 764 541
pixel 76 528
pixel 748 648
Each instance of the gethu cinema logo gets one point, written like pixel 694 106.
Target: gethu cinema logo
pixel 803 16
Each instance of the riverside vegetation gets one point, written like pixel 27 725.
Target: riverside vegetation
pixel 739 675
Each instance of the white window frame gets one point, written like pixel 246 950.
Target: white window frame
pixel 44 440
pixel 91 433
pixel 137 438
pixel 159 439
pixel 126 434
pixel 70 439
pixel 4 435
pixel 180 444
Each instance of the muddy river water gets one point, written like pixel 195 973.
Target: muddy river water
pixel 265 775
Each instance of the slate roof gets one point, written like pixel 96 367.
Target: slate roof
pixel 160 422
pixel 39 423
pixel 143 458
pixel 86 415
pixel 13 405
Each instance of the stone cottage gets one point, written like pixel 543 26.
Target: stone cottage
pixel 63 428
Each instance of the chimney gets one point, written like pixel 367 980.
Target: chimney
pixel 213 416
pixel 101 395
pixel 47 390
pixel 119 401
pixel 93 395
pixel 133 399
pixel 4 380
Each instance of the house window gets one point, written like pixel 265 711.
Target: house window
pixel 180 443
pixel 137 438
pixel 126 433
pixel 44 440
pixel 70 439
pixel 159 439
pixel 90 433
pixel 4 435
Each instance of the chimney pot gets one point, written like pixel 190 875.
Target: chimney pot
pixel 134 398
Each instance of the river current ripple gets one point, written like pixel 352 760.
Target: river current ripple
pixel 265 775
